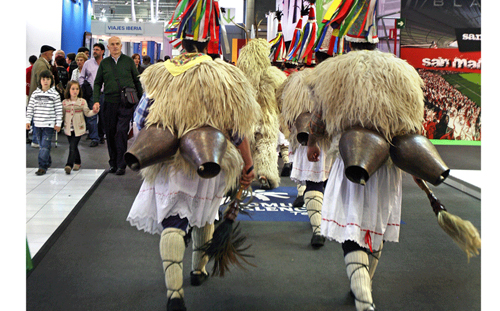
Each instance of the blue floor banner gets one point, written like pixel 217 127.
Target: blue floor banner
pixel 274 205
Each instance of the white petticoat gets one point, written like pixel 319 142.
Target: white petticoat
pixel 303 169
pixel 362 213
pixel 196 199
pixel 282 140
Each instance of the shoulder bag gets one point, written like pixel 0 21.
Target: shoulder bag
pixel 129 96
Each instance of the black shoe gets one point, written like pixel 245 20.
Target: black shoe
pixel 317 241
pixel 101 140
pixel 28 141
pixel 176 304
pixel 286 170
pixel 94 144
pixel 198 279
pixel 40 172
pixel 299 201
pixel 112 170
pixel 120 171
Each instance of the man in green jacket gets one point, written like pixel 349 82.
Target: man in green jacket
pixel 117 116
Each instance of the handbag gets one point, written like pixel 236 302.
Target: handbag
pixel 129 96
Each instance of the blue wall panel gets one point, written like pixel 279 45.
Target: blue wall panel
pixel 75 21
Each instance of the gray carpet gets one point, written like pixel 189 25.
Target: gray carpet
pixel 100 262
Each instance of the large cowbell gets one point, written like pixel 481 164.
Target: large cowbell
pixel 302 126
pixel 415 154
pixel 204 149
pixel 363 152
pixel 152 145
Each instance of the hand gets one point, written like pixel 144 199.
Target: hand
pixel 313 153
pixel 247 177
pixel 27 126
pixel 96 107
pixel 57 128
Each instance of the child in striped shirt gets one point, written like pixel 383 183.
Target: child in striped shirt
pixel 45 109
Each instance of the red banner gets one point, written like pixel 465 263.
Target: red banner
pixel 442 59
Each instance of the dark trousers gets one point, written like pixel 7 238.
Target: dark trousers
pixel 74 154
pixel 117 123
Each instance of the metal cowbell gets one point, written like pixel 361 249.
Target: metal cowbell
pixel 204 149
pixel 152 145
pixel 363 152
pixel 415 154
pixel 302 126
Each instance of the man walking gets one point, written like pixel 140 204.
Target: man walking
pixel 95 124
pixel 116 72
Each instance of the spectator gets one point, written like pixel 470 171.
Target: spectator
pixel 74 108
pixel 146 62
pixel 45 110
pixel 86 81
pixel 137 61
pixel 32 60
pixel 71 60
pixel 41 64
pixel 61 53
pixel 84 50
pixel 117 115
pixel 81 58
pixel 62 72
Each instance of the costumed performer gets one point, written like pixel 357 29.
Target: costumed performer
pixel 298 103
pixel 255 63
pixel 380 92
pixel 187 93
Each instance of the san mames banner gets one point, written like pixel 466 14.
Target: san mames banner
pixel 442 59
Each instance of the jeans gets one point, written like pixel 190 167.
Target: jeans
pixel 92 127
pixel 91 123
pixel 74 154
pixel 100 122
pixel 35 130
pixel 44 138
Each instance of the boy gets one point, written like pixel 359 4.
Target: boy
pixel 45 109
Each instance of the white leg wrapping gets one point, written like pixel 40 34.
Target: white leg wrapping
pixel 172 249
pixel 357 271
pixel 300 190
pixel 374 258
pixel 284 153
pixel 200 236
pixel 314 202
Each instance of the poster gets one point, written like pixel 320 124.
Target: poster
pixel 442 39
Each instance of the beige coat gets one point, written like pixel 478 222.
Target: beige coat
pixel 73 114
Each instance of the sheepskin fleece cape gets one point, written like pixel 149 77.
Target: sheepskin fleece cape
pixel 265 79
pixel 211 93
pixel 295 100
pixel 372 89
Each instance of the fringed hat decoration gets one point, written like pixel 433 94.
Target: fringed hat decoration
pixel 197 20
pixel 309 35
pixel 363 27
pixel 278 47
pixel 353 20
pixel 297 37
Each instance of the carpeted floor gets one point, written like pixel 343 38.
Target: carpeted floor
pixel 99 262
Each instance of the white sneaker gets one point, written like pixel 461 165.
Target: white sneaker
pixel 35 145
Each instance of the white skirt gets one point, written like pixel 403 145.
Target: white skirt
pixel 365 214
pixel 282 140
pixel 196 199
pixel 303 169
